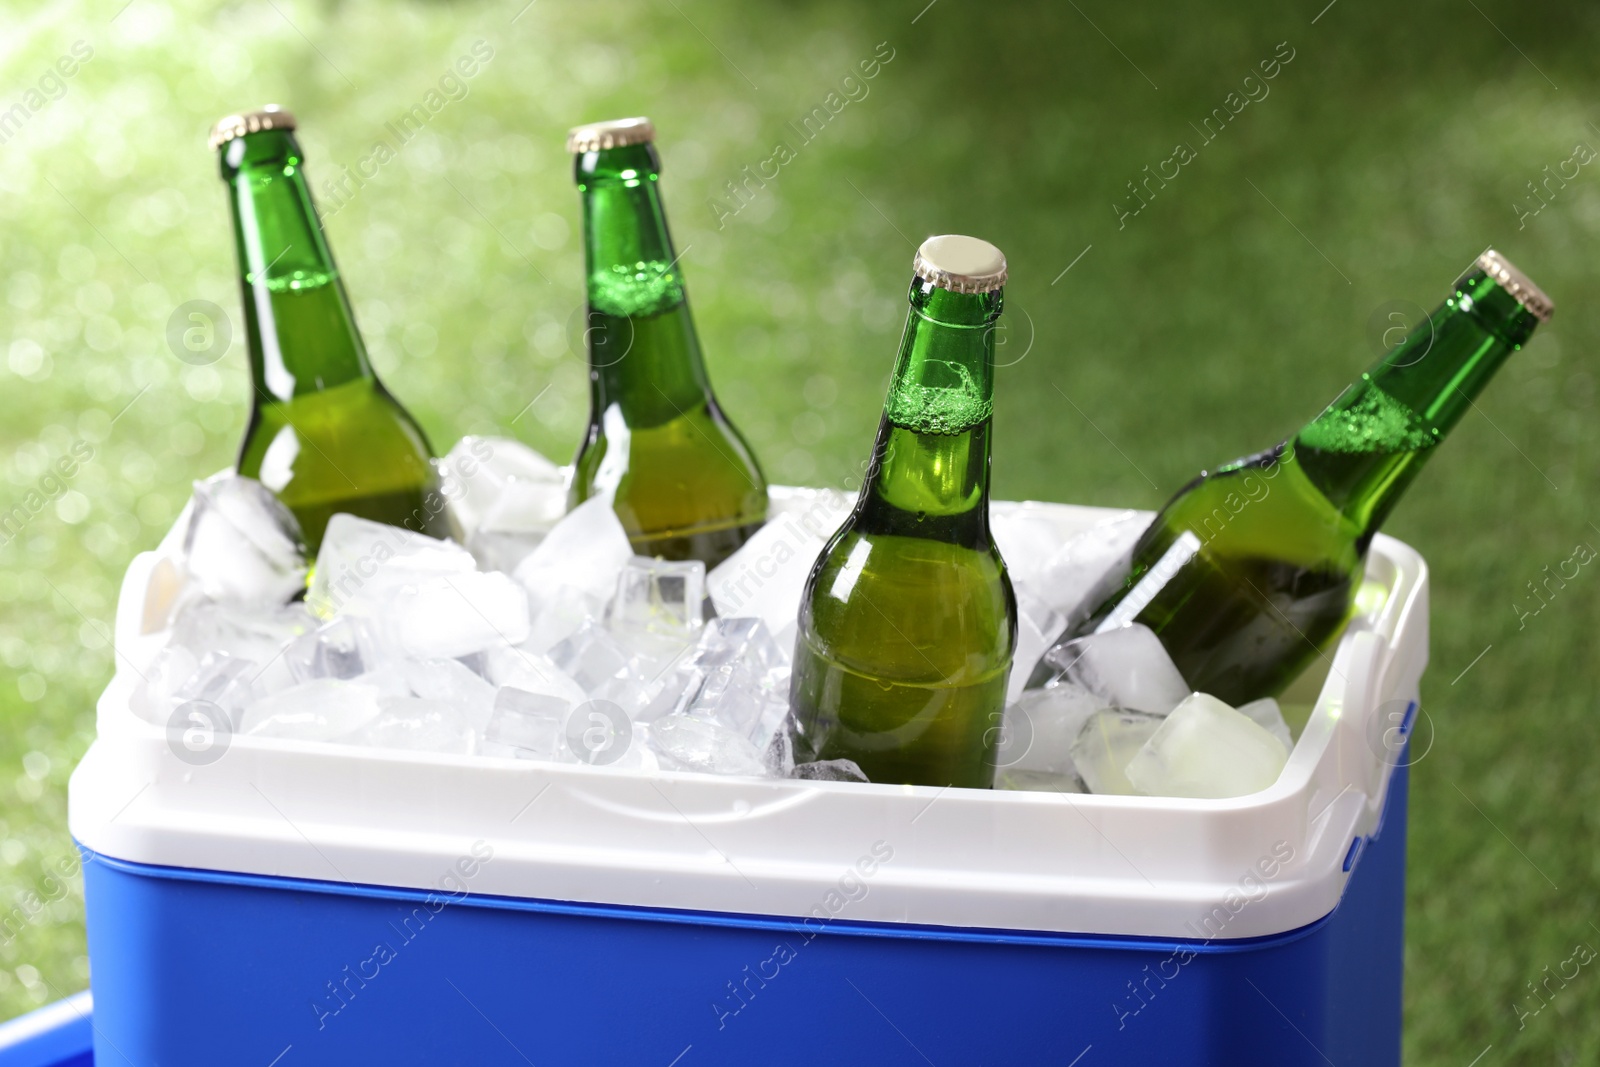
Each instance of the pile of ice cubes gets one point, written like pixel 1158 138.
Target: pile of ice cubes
pixel 542 636
pixel 1117 717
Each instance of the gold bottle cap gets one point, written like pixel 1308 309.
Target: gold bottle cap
pixel 960 264
pixel 271 117
pixel 613 133
pixel 1513 281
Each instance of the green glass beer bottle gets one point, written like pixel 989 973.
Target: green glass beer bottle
pixel 683 482
pixel 324 433
pixel 1250 571
pixel 909 622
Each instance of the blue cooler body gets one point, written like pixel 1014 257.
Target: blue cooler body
pixel 287 902
pixel 202 968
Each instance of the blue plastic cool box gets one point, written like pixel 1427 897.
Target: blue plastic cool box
pixel 298 903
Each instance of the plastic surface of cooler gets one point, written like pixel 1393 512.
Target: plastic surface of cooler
pixel 56 1035
pixel 349 899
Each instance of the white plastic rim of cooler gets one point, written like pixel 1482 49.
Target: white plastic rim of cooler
pixel 1017 861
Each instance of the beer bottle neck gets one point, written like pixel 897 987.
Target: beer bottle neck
pixel 643 352
pixel 930 468
pixel 1365 449
pixel 298 321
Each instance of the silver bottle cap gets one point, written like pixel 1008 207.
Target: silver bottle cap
pixel 271 117
pixel 960 264
pixel 1513 281
pixel 613 133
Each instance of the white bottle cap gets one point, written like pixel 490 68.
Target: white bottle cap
pixel 613 133
pixel 960 264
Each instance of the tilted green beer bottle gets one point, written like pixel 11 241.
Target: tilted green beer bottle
pixel 909 622
pixel 683 482
pixel 324 433
pixel 1251 570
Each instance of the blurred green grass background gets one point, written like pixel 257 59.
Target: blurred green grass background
pixel 1388 152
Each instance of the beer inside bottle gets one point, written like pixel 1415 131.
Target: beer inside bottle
pixel 908 623
pixel 683 482
pixel 324 433
pixel 1251 571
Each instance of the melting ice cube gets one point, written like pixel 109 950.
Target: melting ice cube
pixel 584 552
pixel 1206 749
pixel 501 484
pixel 342 648
pixel 659 597
pixel 242 544
pixel 1041 727
pixel 1126 667
pixel 736 675
pixel 1026 538
pixel 1038 624
pixel 1110 739
pixel 362 564
pixel 457 614
pixel 156 693
pixel 319 710
pixel 517 666
pixel 696 744
pixel 829 770
pixel 766 577
pixel 531 723
pixel 1266 714
pixel 223 680
pixel 594 659
pixel 1087 568
pixel 418 725
pixel 505 497
pixel 253 633
pixel 452 683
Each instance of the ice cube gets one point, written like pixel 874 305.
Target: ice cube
pixel 736 675
pixel 657 597
pixel 598 732
pixel 531 723
pixel 1266 714
pixel 1126 667
pixel 223 680
pixel 1026 538
pixel 1089 567
pixel 518 667
pixel 155 695
pixel 766 577
pixel 584 552
pixel 499 484
pixel 1206 749
pixel 457 614
pixel 1041 727
pixel 242 545
pixel 1110 739
pixel 556 613
pixel 696 744
pixel 829 770
pixel 1038 624
pixel 451 682
pixel 415 724
pixel 319 710
pixel 362 564
pixel 594 659
pixel 253 633
pixel 342 648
